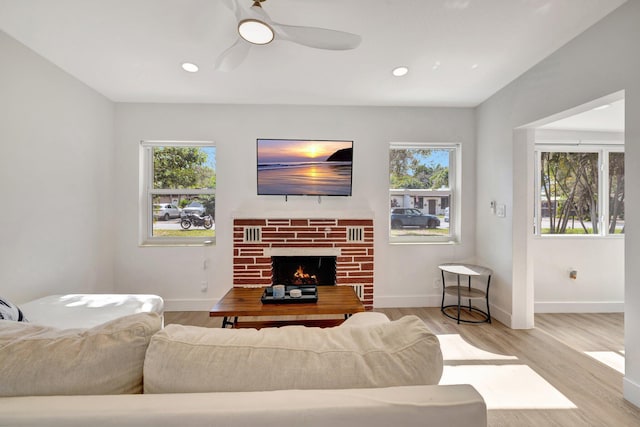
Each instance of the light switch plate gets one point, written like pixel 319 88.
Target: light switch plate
pixel 501 211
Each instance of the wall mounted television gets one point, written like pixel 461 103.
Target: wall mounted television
pixel 302 167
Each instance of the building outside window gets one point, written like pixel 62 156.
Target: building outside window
pixel 581 191
pixel 177 192
pixel 423 193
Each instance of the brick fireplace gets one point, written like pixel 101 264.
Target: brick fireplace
pixel 255 241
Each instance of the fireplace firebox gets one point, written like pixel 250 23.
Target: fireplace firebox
pixel 303 270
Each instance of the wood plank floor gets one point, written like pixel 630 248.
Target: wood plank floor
pixel 554 353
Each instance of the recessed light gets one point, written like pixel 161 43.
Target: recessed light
pixel 400 71
pixel 436 65
pixel 474 66
pixel 188 66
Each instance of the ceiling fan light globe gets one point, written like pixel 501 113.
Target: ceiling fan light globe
pixel 255 31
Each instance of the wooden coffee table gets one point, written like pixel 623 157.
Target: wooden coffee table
pixel 332 300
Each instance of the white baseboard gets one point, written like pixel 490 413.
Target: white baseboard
pixel 497 313
pixel 407 301
pixel 579 307
pixel 189 304
pixel 500 315
pixel 631 391
pixel 379 302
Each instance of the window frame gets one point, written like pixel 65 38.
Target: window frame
pixel 602 150
pixel 455 196
pixel 147 192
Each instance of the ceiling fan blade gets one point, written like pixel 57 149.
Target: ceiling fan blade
pixel 234 7
pixel 320 38
pixel 233 56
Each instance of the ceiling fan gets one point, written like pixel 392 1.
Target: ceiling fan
pixel 255 27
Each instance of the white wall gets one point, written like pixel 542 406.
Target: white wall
pixel 404 274
pixel 599 286
pixel 56 169
pixel 601 61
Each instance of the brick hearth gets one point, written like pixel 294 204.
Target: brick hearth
pixel 350 240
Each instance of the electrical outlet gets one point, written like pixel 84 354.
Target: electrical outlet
pixel 437 283
pixel 204 287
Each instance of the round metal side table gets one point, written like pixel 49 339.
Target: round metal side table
pixel 464 291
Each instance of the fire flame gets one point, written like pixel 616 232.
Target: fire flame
pixel 300 274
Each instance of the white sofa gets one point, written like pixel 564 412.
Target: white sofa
pixel 85 311
pixel 368 371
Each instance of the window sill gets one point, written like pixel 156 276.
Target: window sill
pixel 401 242
pixel 154 243
pixel 577 236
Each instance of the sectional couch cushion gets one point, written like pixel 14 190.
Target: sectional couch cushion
pixel 365 319
pixel 106 359
pixel 70 311
pixel 401 352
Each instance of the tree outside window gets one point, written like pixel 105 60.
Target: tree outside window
pixel 571 193
pixel 616 193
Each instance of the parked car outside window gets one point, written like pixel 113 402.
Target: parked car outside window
pixel 410 217
pixel 165 211
pixel 194 208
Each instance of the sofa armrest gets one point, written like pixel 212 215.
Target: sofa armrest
pixel 435 405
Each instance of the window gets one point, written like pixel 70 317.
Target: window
pixel 423 197
pixel 177 192
pixel 581 190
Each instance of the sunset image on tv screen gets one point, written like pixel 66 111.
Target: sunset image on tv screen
pixel 304 167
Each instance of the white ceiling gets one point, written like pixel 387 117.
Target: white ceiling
pixel 131 50
pixel 605 118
